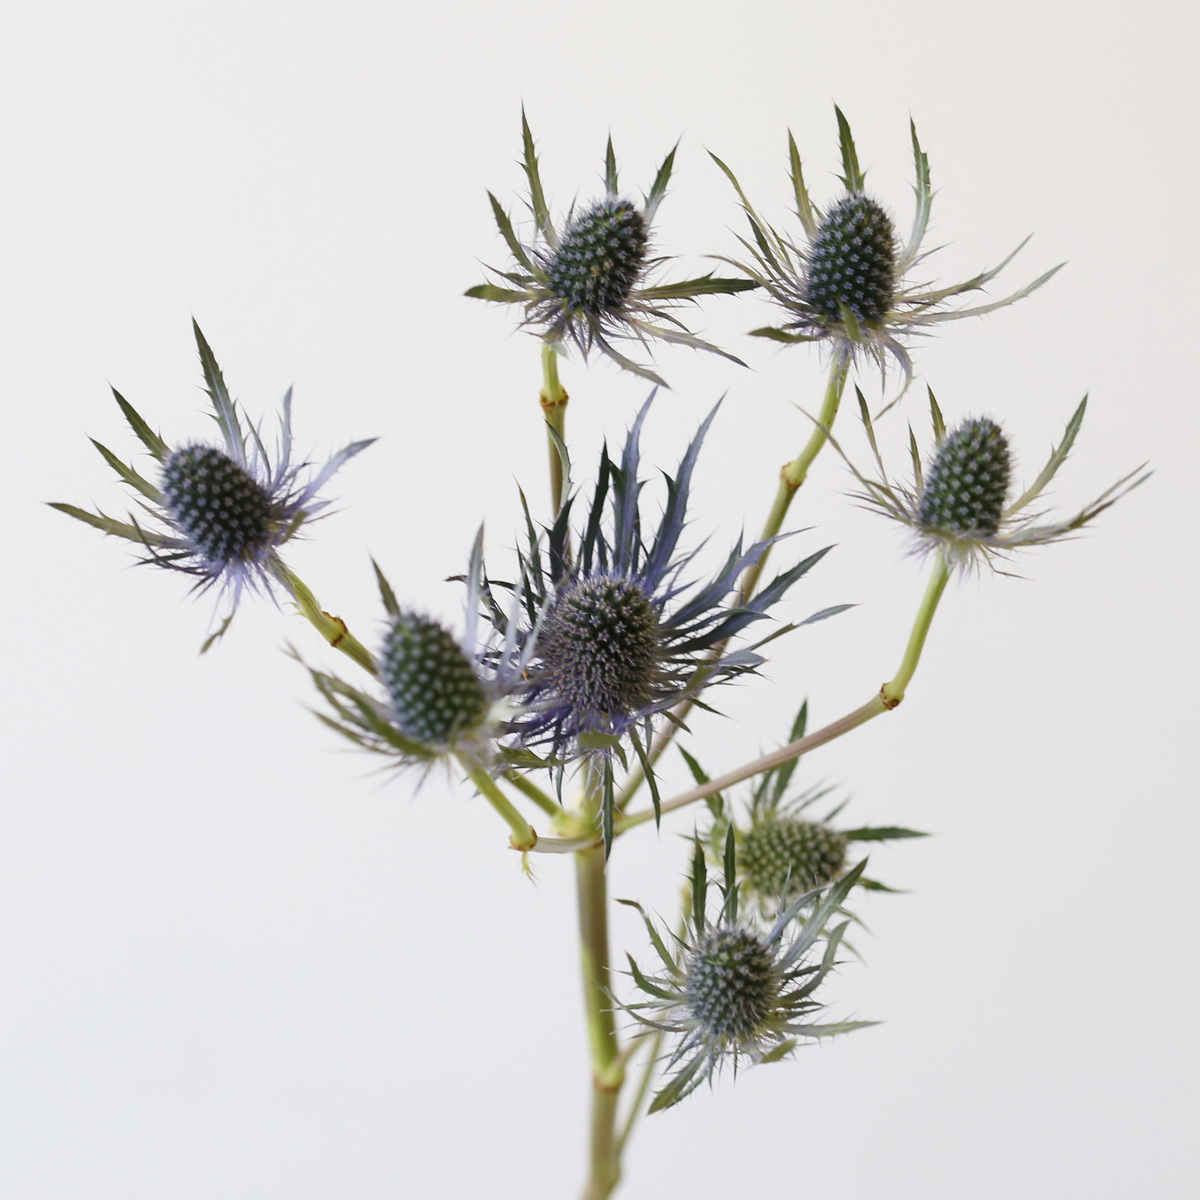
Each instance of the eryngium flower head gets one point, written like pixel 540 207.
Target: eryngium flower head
pixel 957 506
pixel 782 856
pixel 783 850
pixel 219 513
pixel 621 634
pixel 588 281
pixel 736 993
pixel 967 484
pixel 440 696
pixel 847 281
pixel 435 691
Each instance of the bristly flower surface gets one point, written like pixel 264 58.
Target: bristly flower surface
pixel 439 695
pixel 783 849
pixel 733 992
pixel 623 633
pixel 219 513
pixel 958 504
pixel 849 280
pixel 586 280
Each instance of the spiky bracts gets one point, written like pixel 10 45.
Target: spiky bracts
pixel 587 280
pixel 967 484
pixel 618 631
pixel 218 513
pixel 435 692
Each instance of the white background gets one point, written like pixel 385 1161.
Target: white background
pixel 237 963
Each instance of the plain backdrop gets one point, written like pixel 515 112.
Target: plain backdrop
pixel 238 962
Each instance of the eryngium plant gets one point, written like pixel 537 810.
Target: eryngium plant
pixel 609 629
pixel 733 992
pixel 587 279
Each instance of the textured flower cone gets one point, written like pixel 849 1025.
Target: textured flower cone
pixel 600 647
pixel 783 857
pixel 600 257
pixel 852 262
pixel 435 692
pixel 220 508
pixel 965 490
pixel 732 984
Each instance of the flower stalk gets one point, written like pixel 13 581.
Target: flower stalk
pixel 608 1067
pixel 893 691
pixel 523 837
pixel 554 404
pixel 333 629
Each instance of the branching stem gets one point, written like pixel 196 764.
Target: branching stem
pixel 332 629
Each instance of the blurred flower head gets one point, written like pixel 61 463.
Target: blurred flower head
pixel 587 279
pixel 848 280
pixel 783 849
pixel 219 513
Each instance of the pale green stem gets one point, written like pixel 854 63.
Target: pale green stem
pixel 527 787
pixel 554 404
pixel 893 691
pixel 332 629
pixel 523 837
pixel 860 716
pixel 794 473
pixel 608 1071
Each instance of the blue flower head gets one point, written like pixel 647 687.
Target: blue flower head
pixel 783 849
pixel 733 992
pixel 439 695
pixel 848 280
pixel 584 280
pixel 622 631
pixel 219 512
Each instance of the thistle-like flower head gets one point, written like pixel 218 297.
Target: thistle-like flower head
pixel 587 279
pixel 784 850
pixel 734 992
pixel 219 513
pixel 439 695
pixel 847 281
pixel 958 503
pixel 622 633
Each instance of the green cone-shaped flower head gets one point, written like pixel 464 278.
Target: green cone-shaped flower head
pixel 216 503
pixel 600 257
pixel 732 984
pixel 852 262
pixel 600 646
pixel 436 694
pixel 782 857
pixel 966 487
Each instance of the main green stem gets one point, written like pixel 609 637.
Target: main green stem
pixel 608 1070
